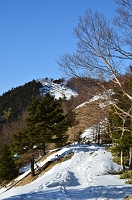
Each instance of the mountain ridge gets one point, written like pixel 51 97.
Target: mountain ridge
pixel 74 92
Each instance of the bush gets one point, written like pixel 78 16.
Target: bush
pixel 128 176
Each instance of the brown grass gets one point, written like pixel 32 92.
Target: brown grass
pixel 87 116
pixel 128 198
pixel 28 179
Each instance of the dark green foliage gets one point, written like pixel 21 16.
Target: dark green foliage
pixel 8 169
pixel 13 102
pixel 46 124
pixel 60 129
pixel 21 142
pixel 120 123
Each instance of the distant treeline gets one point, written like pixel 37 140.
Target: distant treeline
pixel 13 102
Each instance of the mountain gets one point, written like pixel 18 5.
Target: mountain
pixel 76 171
pixel 13 106
pixel 13 103
pixel 58 90
pixel 92 113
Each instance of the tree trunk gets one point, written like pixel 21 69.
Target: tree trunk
pixel 130 159
pixel 32 166
pixel 122 161
pixel 44 152
pixel 98 138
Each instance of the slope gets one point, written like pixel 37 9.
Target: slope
pixel 87 175
pixel 88 114
pixel 57 90
pixel 13 104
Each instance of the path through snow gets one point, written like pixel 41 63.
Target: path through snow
pixel 87 175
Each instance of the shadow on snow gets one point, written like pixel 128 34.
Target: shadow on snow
pixel 67 193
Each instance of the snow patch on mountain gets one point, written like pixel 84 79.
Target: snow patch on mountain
pixel 57 90
pixel 104 96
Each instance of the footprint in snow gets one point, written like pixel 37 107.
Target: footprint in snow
pixel 90 179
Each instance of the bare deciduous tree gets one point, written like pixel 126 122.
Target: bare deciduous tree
pixel 102 47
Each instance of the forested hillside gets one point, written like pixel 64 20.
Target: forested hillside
pixel 13 105
pixel 13 102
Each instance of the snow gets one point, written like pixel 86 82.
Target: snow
pixel 87 135
pixel 57 90
pixel 87 175
pixel 105 96
pixel 90 134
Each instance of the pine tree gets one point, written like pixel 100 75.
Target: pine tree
pixel 46 123
pixel 121 123
pixel 8 169
pixel 61 129
pixel 20 142
pixel 52 123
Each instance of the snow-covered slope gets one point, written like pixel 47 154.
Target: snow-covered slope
pixel 57 90
pixel 104 96
pixel 87 175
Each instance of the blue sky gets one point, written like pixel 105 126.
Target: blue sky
pixel 35 33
